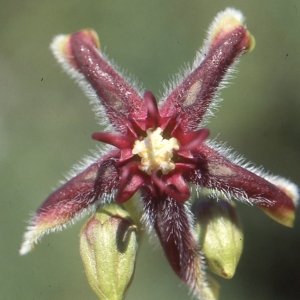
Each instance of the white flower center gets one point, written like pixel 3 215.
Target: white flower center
pixel 156 152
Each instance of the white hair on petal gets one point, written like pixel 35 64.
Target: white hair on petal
pixel 86 161
pixel 285 185
pixel 200 56
pixel 229 11
pixel 196 288
pixel 129 78
pixel 34 234
pixel 79 78
pixel 288 187
pixel 239 160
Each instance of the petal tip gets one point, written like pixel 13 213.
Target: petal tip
pixel 283 213
pixel 26 247
pixel 61 45
pixel 90 33
pixel 289 188
pixel 226 22
pixel 285 218
pixel 29 240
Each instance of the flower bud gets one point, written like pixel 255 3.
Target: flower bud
pixel 220 235
pixel 108 247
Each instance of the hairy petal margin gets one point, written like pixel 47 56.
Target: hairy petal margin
pixel 217 172
pixel 173 224
pixel 73 200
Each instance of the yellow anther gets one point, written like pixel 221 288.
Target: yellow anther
pixel 156 152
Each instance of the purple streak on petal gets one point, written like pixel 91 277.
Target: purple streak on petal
pixel 118 98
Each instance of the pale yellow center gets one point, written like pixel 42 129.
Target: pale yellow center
pixel 156 152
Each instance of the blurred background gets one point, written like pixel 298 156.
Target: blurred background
pixel 46 124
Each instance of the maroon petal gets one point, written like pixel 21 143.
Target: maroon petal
pixel 79 53
pixel 72 200
pixel 131 180
pixel 173 184
pixel 117 140
pixel 190 140
pixel 173 224
pixel 193 96
pixel 214 171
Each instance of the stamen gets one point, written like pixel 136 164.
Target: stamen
pixel 156 152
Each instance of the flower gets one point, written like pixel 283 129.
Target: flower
pixel 160 151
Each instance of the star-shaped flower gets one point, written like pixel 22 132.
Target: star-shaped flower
pixel 160 150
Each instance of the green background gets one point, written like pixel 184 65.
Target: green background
pixel 46 123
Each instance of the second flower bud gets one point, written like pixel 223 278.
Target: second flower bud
pixel 220 235
pixel 108 247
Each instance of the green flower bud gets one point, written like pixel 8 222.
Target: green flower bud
pixel 220 235
pixel 108 247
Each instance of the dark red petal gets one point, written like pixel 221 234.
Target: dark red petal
pixel 152 110
pixel 125 155
pixel 71 200
pixel 190 140
pixel 193 96
pixel 214 171
pixel 172 184
pixel 173 225
pixel 134 184
pixel 117 140
pixel 130 182
pixel 80 51
pixel 153 119
pixel 179 188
